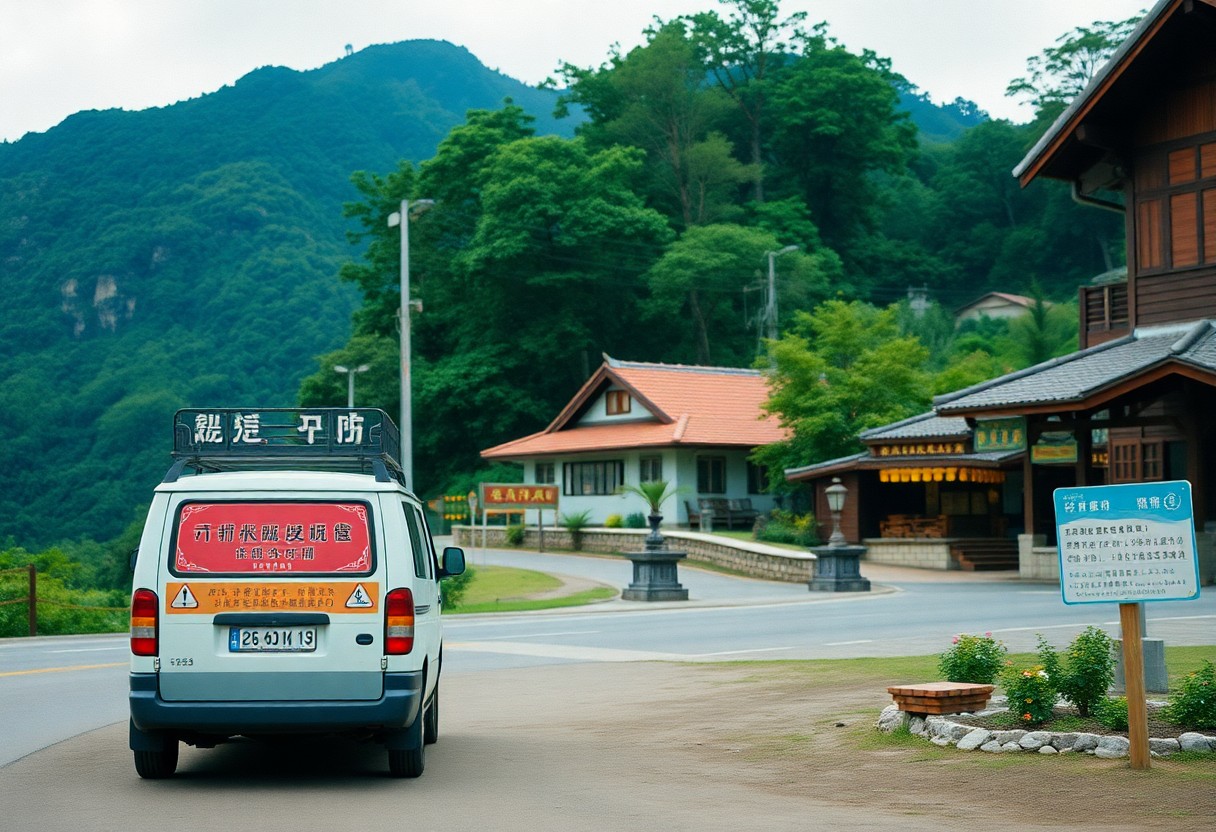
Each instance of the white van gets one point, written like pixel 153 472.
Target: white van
pixel 285 583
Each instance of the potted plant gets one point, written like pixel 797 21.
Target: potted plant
pixel 655 493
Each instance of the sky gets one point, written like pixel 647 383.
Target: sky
pixel 58 57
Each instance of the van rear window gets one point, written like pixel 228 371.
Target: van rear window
pixel 307 538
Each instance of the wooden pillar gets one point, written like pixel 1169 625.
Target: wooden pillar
pixel 1083 433
pixel 1032 436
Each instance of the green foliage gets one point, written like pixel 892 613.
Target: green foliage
pixel 614 521
pixel 1032 696
pixel 655 493
pixel 1112 712
pixel 786 527
pixel 974 659
pixel 63 607
pixel 453 589
pixel 515 534
pixel 1193 704
pixel 1087 671
pixel 575 524
pixel 635 520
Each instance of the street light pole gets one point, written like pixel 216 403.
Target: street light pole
pixel 350 380
pixel 771 307
pixel 402 219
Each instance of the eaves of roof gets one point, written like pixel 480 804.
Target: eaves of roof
pixel 1081 378
pixel 869 462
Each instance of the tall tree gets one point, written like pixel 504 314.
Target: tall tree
pixel 741 51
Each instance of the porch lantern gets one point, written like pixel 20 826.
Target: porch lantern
pixel 836 564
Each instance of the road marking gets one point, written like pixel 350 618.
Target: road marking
pixel 61 669
pixel 843 643
pixel 562 651
pixel 90 649
pixel 738 652
pixel 538 635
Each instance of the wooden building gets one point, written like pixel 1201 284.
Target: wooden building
pixel 1134 404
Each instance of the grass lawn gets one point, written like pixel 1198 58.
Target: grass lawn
pixel 506 589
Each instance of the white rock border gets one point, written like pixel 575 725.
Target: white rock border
pixel 943 731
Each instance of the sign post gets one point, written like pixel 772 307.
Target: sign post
pixel 1128 544
pixel 514 496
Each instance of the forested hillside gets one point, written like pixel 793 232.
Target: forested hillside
pixel 189 255
pixel 197 254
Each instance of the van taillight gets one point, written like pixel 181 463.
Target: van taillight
pixel 143 622
pixel 398 622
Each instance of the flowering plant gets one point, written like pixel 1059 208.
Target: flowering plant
pixel 1087 671
pixel 1031 692
pixel 975 659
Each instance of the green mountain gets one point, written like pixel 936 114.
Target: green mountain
pixel 187 255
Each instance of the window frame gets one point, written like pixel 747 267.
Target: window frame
pixel 1161 196
pixel 551 467
pixel 650 468
pixel 602 476
pixel 618 403
pixel 706 466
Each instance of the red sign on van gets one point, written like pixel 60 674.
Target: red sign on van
pixel 285 538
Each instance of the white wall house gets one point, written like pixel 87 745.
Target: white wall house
pixel 634 422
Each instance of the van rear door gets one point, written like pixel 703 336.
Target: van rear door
pixel 273 599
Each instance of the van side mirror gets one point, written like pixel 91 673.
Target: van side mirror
pixel 452 563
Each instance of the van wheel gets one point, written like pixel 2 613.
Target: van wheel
pixel 430 725
pixel 409 762
pixel 158 764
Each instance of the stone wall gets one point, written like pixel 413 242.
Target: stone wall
pixel 749 557
pixel 1037 562
pixel 921 553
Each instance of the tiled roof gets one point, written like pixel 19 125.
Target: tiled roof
pixel 924 426
pixel 692 406
pixel 869 462
pixel 1081 375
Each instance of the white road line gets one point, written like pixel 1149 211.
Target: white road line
pixel 562 651
pixel 538 635
pixel 843 643
pixel 739 652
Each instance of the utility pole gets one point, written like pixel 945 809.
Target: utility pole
pixel 771 307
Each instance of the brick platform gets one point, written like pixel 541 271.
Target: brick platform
pixel 941 697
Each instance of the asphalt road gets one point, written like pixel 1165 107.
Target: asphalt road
pixel 64 686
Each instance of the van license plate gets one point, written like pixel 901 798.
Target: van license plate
pixel 272 639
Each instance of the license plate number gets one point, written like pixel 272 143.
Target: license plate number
pixel 272 639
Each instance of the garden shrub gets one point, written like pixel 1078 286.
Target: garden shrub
pixel 1032 697
pixel 614 521
pixel 1086 675
pixel 1193 705
pixel 974 659
pixel 1112 712
pixel 515 534
pixel 452 589
pixel 636 520
pixel 786 527
pixel 575 523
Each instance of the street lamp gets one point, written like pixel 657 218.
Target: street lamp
pixel 402 219
pixel 350 380
pixel 836 494
pixel 771 308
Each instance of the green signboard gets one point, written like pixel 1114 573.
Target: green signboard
pixel 1000 434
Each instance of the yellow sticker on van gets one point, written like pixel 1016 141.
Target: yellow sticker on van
pixel 333 597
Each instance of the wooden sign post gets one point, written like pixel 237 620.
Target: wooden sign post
pixel 1128 544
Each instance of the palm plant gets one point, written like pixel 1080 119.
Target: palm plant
pixel 654 492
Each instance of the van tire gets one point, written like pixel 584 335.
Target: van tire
pixel 158 764
pixel 430 724
pixel 409 762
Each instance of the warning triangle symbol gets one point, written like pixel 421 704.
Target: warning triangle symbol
pixel 359 598
pixel 185 599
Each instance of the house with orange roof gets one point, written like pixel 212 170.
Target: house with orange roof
pixel 995 305
pixel 635 422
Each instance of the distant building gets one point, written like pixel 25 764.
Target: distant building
pixel 995 305
pixel 634 422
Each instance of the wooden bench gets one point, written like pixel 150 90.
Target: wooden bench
pixel 728 514
pixel 941 697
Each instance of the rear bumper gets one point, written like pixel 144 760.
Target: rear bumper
pixel 396 709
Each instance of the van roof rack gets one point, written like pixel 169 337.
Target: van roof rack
pixel 354 440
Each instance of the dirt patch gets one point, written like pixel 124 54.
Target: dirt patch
pixel 773 730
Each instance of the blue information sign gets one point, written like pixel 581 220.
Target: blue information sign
pixel 1127 543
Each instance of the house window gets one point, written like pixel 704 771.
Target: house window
pixel 1176 208
pixel 618 402
pixel 711 475
pixel 544 472
pixel 757 478
pixel 593 478
pixel 650 469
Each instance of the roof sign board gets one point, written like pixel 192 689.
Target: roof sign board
pixel 1000 434
pixel 1127 543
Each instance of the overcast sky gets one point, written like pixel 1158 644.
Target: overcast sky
pixel 61 56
